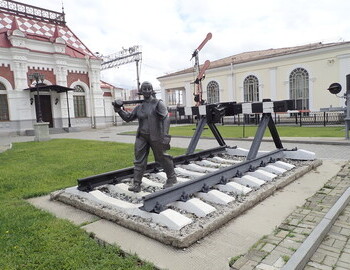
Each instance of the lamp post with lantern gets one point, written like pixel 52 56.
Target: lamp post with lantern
pixel 37 77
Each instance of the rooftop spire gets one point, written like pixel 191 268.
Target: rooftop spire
pixel 14 25
pixel 56 34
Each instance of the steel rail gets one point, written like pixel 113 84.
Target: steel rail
pixel 157 201
pixel 114 177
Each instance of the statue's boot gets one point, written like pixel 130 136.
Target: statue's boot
pixel 170 182
pixel 136 183
pixel 136 187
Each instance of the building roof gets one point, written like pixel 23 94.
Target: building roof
pixel 246 57
pixel 45 88
pixel 106 85
pixel 15 16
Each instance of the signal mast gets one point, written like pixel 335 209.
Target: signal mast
pixel 198 92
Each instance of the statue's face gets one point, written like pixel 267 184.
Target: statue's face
pixel 146 90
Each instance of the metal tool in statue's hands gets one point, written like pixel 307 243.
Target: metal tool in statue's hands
pixel 118 103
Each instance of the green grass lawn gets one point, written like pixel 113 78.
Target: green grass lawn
pixel 249 131
pixel 34 239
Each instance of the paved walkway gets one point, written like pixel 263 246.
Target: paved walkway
pixel 274 250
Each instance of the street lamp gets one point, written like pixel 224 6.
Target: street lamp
pixel 37 77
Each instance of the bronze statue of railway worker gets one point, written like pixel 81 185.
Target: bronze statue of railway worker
pixel 152 132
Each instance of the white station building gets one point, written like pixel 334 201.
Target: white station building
pixel 301 73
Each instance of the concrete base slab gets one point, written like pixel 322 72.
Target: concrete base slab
pixel 273 169
pixel 191 174
pixel 249 181
pixel 237 151
pixel 123 188
pixel 197 229
pixel 215 196
pixel 195 206
pixel 172 219
pixel 182 179
pixel 300 154
pixel 235 188
pixel 198 168
pixel 211 164
pixel 146 182
pixel 263 175
pixel 98 202
pixel 284 165
pixel 162 176
pixel 129 208
pixel 214 251
pixel 223 160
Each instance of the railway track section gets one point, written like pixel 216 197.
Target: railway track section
pixel 213 186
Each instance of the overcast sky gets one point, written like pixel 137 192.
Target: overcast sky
pixel 168 31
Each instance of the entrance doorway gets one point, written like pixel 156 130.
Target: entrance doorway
pixel 46 110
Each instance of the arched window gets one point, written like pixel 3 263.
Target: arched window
pixel 299 88
pixel 213 92
pixel 79 101
pixel 251 89
pixel 4 109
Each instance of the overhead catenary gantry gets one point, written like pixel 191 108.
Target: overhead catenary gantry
pixel 125 56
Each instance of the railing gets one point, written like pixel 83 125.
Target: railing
pixel 32 12
pixel 300 119
pixel 176 118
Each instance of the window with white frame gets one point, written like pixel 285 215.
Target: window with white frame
pixel 4 109
pixel 175 97
pixel 213 92
pixel 299 88
pixel 79 101
pixel 251 89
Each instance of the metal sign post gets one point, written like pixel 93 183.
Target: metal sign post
pixel 347 103
pixel 335 89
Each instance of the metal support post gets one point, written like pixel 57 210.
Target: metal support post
pixel 274 133
pixel 347 102
pixel 347 118
pixel 69 124
pixel 217 134
pixel 197 134
pixel 266 121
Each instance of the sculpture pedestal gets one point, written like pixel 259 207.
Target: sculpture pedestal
pixel 41 131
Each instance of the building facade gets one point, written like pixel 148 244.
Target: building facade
pixel 301 73
pixel 35 40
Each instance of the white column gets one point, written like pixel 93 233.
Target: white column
pixel 19 69
pixel 273 83
pixel 19 100
pixel 344 64
pixel 189 102
pixel 230 93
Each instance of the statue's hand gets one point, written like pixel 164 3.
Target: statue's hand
pixel 117 105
